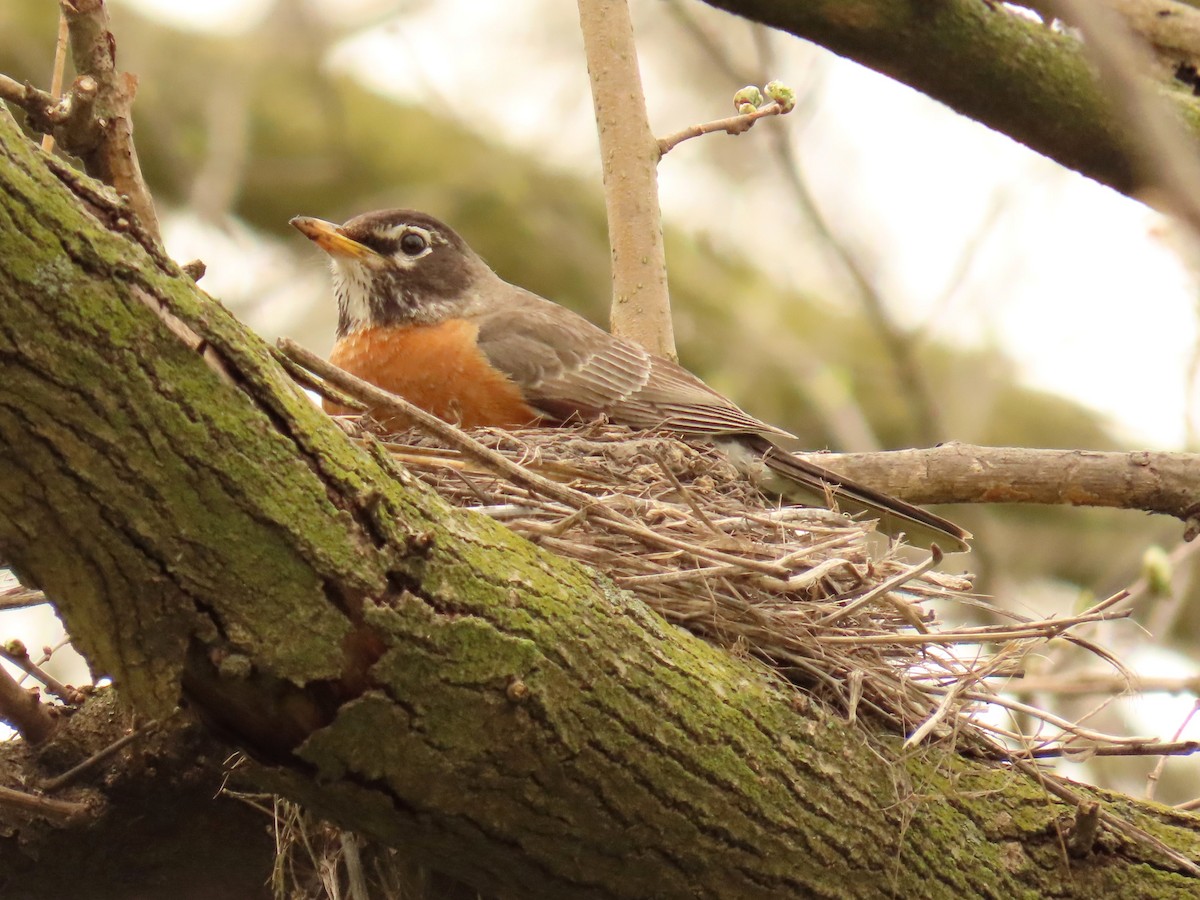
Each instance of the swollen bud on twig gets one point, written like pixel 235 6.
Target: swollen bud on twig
pixel 749 95
pixel 781 94
pixel 1157 570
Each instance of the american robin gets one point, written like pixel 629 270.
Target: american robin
pixel 421 315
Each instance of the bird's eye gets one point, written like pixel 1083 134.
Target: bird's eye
pixel 413 243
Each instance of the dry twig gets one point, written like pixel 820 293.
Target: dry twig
pixel 58 782
pixel 16 653
pixel 94 119
pixel 25 711
pixel 62 810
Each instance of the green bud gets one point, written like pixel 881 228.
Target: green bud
pixel 746 108
pixel 749 94
pixel 781 94
pixel 1156 569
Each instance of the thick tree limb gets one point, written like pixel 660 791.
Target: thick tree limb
pixel 1013 75
pixel 420 673
pixel 1166 157
pixel 1166 483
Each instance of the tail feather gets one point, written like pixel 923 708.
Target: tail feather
pixel 815 484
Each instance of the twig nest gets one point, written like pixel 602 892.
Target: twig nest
pixel 705 548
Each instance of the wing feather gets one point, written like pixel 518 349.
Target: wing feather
pixel 567 367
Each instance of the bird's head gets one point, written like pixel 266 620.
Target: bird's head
pixel 397 267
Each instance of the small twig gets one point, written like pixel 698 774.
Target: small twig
pixel 16 653
pixel 64 810
pixel 883 590
pixel 56 80
pixel 953 698
pixel 21 597
pixel 352 859
pixel 1064 725
pixel 111 155
pixel 738 124
pixel 29 98
pixel 24 710
pixel 307 379
pixel 700 514
pixel 58 782
pixel 1156 773
pixel 1079 754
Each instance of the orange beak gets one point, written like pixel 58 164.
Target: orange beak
pixel 329 237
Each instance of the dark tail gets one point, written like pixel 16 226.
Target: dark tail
pixel 895 516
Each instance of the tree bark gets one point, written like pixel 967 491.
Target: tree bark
pixel 1013 75
pixel 1151 481
pixel 420 674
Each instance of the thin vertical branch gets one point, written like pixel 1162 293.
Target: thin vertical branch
pixel 113 157
pixel 641 309
pixel 56 78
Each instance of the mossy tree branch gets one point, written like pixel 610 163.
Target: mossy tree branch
pixel 1011 74
pixel 420 674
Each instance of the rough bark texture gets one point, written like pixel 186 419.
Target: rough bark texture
pixel 420 674
pixel 1013 75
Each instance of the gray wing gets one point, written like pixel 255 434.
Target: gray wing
pixel 567 367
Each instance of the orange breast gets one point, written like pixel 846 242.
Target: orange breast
pixel 436 367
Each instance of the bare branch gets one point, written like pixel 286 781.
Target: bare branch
pixel 43 806
pixel 24 710
pixel 1166 483
pixel 16 653
pixel 57 783
pixel 113 157
pixel 641 309
pixel 738 124
pixel 20 597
